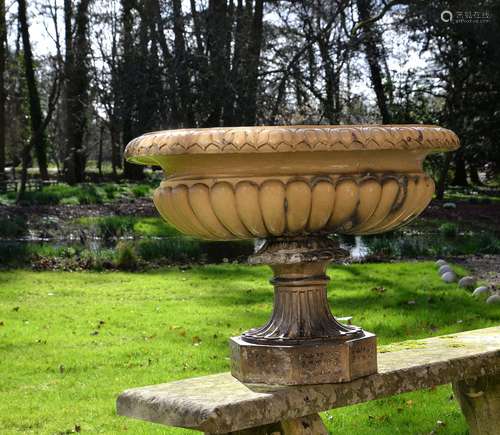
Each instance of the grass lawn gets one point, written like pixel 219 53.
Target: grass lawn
pixel 71 342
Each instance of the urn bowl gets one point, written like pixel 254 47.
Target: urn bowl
pixel 260 182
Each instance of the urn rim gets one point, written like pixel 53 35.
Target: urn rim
pixel 290 138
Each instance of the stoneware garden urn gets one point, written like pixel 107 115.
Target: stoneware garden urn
pixel 295 188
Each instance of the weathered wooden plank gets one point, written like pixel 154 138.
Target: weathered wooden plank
pixel 220 404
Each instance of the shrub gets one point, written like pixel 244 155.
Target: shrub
pixel 109 227
pixel 13 253
pixel 88 194
pixel 72 200
pixel 126 257
pixel 488 243
pixel 110 190
pixel 115 226
pixel 42 197
pixel 141 190
pixel 154 227
pixel 173 248
pixel 97 259
pixel 12 227
pixel 449 230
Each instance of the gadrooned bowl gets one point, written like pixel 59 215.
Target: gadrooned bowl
pixel 258 182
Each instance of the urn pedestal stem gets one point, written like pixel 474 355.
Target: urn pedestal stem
pixel 302 343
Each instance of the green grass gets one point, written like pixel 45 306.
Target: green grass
pixel 71 342
pixel 471 197
pixel 81 194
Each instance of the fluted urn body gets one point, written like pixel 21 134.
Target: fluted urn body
pixel 257 182
pixel 294 186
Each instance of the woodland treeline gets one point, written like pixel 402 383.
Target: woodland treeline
pixel 104 72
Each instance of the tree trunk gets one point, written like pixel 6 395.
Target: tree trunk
pixel 181 66
pixel 3 55
pixel 129 85
pixel 460 178
pixel 474 175
pixel 171 85
pixel 330 90
pixel 99 154
pixel 441 182
pixel 232 114
pixel 252 67
pixel 217 57
pixel 196 27
pixel 373 57
pixel 115 148
pixel 76 89
pixel 33 96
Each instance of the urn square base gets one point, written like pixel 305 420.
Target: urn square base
pixel 315 363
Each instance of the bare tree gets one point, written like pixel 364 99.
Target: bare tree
pixel 36 120
pixel 3 55
pixel 373 50
pixel 76 98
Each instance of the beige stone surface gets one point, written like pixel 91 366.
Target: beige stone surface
pixel 308 425
pixel 245 207
pixel 247 182
pixel 220 404
pixel 480 402
pixel 290 139
pixel 316 363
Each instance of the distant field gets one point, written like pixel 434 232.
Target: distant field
pixel 71 342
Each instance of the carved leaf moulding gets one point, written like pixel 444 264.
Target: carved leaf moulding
pixel 290 139
pixel 239 208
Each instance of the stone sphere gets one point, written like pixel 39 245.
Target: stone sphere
pixel 493 299
pixel 482 292
pixel 467 282
pixel 449 277
pixel 445 268
pixel 441 262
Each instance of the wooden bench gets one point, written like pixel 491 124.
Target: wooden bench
pixel 219 404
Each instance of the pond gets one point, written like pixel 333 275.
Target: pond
pixel 91 245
